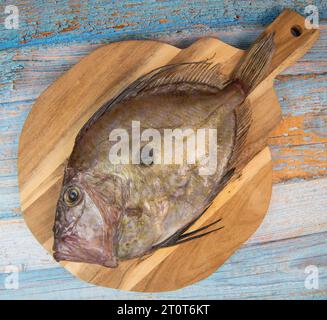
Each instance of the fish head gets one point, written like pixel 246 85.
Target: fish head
pixel 84 229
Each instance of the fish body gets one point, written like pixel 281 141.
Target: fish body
pixel 108 211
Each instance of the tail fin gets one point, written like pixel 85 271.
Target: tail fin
pixel 256 63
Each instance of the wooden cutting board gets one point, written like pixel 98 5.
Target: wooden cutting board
pixel 59 113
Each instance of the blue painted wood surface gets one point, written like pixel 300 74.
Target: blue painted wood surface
pixel 54 35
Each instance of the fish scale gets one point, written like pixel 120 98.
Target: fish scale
pixel 122 211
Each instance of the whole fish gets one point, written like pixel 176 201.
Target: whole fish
pixel 110 211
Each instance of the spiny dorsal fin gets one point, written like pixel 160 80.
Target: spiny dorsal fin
pixel 193 73
pixel 253 68
pixel 243 122
pixel 201 72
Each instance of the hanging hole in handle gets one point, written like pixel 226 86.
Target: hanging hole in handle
pixel 296 31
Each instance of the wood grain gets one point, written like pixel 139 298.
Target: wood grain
pixel 270 265
pixel 39 208
pixel 42 22
pixel 41 164
pixel 297 207
pixel 150 273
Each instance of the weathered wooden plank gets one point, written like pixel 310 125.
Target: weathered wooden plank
pixel 9 195
pixel 299 144
pixel 20 248
pixel 42 57
pixel 26 72
pixel 66 21
pixel 297 209
pixel 46 61
pixel 299 151
pixel 274 270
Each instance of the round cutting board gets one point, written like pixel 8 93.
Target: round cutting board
pixel 59 113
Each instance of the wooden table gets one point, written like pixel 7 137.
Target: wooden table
pixel 272 264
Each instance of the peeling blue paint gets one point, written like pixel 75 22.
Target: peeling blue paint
pixel 71 32
pixel 238 278
pixel 49 22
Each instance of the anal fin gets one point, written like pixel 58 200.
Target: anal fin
pixel 185 237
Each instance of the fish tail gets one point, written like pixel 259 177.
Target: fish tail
pixel 255 65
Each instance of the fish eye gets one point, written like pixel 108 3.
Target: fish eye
pixel 72 196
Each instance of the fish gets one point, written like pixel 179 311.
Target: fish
pixel 108 211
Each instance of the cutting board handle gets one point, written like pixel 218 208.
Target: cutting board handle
pixel 292 39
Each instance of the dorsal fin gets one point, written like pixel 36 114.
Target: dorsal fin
pixel 201 72
pixel 243 122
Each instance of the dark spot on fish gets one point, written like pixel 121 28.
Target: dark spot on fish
pixel 133 211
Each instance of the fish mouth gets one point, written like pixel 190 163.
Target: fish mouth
pixel 58 256
pixel 67 250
